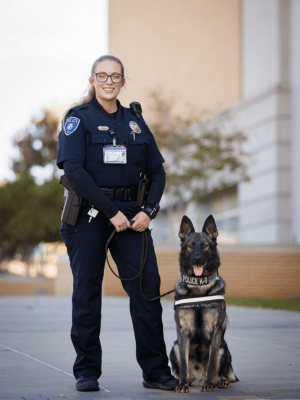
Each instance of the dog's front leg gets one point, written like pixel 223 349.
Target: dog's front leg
pixel 184 349
pixel 208 385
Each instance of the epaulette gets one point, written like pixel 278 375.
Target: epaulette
pixel 80 107
pixel 76 108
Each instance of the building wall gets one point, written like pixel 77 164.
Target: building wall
pixel 271 272
pixel 13 285
pixel 190 48
pixel 265 203
pixel 295 83
pixel 267 114
pixel 243 56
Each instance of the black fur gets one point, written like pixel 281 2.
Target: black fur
pixel 200 355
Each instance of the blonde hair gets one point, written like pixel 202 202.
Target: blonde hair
pixel 91 90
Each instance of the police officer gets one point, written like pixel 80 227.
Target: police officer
pixel 103 147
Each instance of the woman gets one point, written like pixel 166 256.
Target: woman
pixel 103 148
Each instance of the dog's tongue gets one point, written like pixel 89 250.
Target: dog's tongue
pixel 198 271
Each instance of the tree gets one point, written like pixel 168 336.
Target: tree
pixel 29 214
pixel 37 144
pixel 201 156
pixel 30 207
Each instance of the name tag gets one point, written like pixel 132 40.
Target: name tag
pixel 114 155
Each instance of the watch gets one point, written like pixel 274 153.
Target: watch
pixel 152 211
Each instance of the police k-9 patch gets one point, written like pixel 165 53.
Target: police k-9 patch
pixel 194 280
pixel 71 125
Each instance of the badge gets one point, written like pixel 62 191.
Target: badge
pixel 134 126
pixel 71 125
pixel 103 128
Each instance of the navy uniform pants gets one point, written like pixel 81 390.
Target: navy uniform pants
pixel 86 249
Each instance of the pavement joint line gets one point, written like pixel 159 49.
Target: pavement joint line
pixel 261 343
pixel 42 362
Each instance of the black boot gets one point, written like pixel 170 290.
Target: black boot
pixel 87 384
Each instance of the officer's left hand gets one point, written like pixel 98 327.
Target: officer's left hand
pixel 141 222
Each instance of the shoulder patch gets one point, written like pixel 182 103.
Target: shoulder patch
pixel 71 125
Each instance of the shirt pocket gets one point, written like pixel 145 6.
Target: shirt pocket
pixel 98 141
pixel 105 175
pixel 138 150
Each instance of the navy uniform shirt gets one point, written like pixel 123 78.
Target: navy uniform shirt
pixel 80 154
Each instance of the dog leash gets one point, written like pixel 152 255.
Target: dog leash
pixel 142 263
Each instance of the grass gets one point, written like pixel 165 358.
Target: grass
pixel 279 304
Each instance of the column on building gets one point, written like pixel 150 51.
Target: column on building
pixel 266 115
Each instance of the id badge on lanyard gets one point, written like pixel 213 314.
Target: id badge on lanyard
pixel 114 154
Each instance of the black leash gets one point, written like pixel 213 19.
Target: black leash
pixel 142 263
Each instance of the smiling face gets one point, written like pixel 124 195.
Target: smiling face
pixel 107 92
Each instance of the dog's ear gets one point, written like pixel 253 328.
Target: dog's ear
pixel 186 228
pixel 210 227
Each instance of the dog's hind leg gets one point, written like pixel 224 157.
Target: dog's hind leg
pixel 225 370
pixel 174 359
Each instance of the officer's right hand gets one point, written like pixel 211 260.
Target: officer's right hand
pixel 120 222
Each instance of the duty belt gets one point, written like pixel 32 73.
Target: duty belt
pixel 120 193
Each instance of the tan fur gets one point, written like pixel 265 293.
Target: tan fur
pixel 210 318
pixel 187 320
pixel 196 376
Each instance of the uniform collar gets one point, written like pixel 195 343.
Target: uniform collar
pixel 120 113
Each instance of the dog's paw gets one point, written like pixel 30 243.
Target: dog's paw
pixel 182 389
pixel 223 384
pixel 208 387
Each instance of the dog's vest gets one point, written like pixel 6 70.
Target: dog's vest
pixel 195 302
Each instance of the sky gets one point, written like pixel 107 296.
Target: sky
pixel 47 49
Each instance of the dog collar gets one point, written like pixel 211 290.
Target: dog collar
pixel 192 302
pixel 198 280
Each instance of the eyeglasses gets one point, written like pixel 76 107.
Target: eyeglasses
pixel 115 78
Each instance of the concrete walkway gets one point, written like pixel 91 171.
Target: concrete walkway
pixel 36 354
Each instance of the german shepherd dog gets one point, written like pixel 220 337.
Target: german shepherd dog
pixel 200 355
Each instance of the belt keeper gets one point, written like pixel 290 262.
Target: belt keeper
pixel 128 194
pixel 120 193
pixel 107 193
